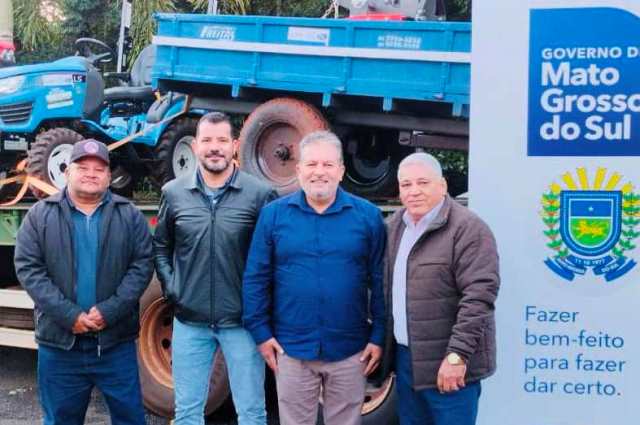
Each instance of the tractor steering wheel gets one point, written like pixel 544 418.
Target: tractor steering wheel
pixel 105 53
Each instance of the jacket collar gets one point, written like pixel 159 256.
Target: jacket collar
pixel 396 224
pixel 109 203
pixel 61 196
pixel 343 200
pixel 195 180
pixel 443 215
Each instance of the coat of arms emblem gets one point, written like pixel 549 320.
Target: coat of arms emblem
pixel 591 225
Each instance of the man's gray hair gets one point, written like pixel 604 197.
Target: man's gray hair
pixel 422 158
pixel 322 136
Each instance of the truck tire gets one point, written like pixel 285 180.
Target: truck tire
pixel 371 160
pixel 16 318
pixel 379 406
pixel 154 358
pixel 173 152
pixel 49 157
pixel 270 137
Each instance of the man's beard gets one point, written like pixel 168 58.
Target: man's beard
pixel 319 194
pixel 217 168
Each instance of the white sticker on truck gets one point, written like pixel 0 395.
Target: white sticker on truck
pixel 218 32
pixel 310 35
pixel 394 41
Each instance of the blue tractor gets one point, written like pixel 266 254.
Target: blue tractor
pixel 46 108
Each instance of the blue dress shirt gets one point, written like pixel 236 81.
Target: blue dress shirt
pixel 307 277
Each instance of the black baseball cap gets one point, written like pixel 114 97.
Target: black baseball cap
pixel 90 148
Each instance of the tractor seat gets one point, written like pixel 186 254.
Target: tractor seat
pixel 143 66
pixel 129 93
pixel 139 87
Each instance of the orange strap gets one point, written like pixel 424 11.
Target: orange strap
pixel 26 181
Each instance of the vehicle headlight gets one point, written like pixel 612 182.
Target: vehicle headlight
pixel 11 84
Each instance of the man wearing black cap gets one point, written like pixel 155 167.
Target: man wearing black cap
pixel 84 256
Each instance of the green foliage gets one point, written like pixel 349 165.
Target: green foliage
pixel 143 25
pixel 46 29
pixel 459 10
pixel 455 161
pixel 227 7
pixel 91 18
pixel 36 38
pixel 310 8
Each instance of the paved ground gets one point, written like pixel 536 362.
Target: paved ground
pixel 19 401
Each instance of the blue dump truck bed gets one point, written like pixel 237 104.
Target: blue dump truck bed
pixel 388 60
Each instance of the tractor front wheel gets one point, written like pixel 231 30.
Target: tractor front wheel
pixel 49 157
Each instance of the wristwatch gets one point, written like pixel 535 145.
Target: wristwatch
pixel 454 359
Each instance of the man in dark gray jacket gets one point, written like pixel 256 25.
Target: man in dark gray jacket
pixel 201 243
pixel 441 282
pixel 84 256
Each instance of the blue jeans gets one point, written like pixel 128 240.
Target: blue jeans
pixel 66 378
pixel 193 348
pixel 429 407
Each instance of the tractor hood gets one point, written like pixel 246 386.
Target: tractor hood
pixel 68 64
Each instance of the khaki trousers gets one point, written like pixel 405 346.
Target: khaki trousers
pixel 300 383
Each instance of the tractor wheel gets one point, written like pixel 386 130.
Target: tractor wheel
pixel 173 152
pixel 270 138
pixel 49 157
pixel 122 182
pixel 154 358
pixel 371 159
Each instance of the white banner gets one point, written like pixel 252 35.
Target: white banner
pixel 555 171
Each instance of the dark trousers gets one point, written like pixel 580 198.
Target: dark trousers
pixel 429 407
pixel 66 378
